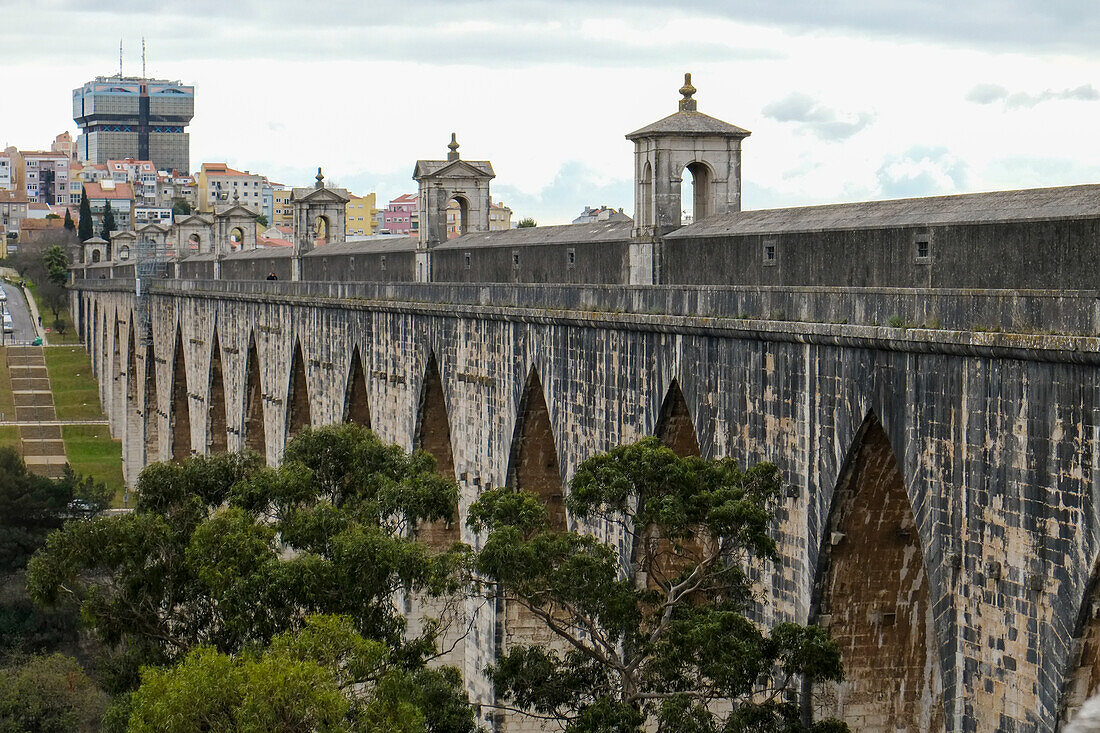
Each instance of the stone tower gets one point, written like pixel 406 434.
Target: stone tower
pixel 685 141
pixel 440 181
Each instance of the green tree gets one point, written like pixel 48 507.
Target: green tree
pixel 654 637
pixel 32 506
pixel 53 216
pixel 180 207
pixel 108 222
pixel 69 225
pixel 49 694
pixel 225 553
pixel 57 265
pixel 262 220
pixel 324 677
pixel 526 223
pixel 85 229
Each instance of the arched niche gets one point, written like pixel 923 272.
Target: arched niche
pixel 356 406
pixel 533 465
pixel 180 417
pixel 298 407
pixel 675 427
pixel 255 434
pixel 217 427
pixel 433 436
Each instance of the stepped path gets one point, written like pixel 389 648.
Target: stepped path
pixel 39 430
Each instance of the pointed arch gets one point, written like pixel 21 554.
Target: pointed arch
pixel 217 440
pixel 131 366
pixel 297 398
pixel 873 595
pixel 181 416
pixel 117 393
pixel 675 428
pixel 1082 679
pixel 533 465
pixel 433 436
pixel 151 411
pixel 356 407
pixel 255 434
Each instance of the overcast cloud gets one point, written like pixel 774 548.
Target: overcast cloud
pixel 847 100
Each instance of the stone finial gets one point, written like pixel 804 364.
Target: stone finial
pixel 236 196
pixel 687 104
pixel 453 147
pixel 320 179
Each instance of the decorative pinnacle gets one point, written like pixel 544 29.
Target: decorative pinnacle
pixel 687 104
pixel 453 147
pixel 320 178
pixel 236 196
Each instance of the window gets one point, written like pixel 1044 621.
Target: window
pixel 466 257
pixel 771 252
pixel 922 246
pixel 570 257
pixel 515 259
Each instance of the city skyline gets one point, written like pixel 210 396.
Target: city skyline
pixel 944 109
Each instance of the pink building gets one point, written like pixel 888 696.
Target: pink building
pixel 401 216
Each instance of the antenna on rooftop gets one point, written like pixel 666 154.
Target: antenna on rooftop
pixel 143 57
pixel 120 58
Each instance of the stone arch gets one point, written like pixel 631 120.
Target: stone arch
pixel 255 431
pixel 194 243
pixel 298 416
pixel 645 195
pixel 93 338
pixel 152 407
pixel 181 414
pixel 533 464
pixel 433 436
pixel 462 216
pixel 356 405
pixel 873 594
pixel 95 256
pixel 321 230
pixel 236 239
pixel 217 426
pixel 675 428
pixel 118 384
pixel 1082 678
pixel 702 181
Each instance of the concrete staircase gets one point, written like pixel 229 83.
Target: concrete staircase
pixel 39 432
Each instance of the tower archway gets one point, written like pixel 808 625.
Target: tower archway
pixel 181 417
pixel 356 406
pixel 433 436
pixel 873 595
pixel 533 465
pixel 1082 679
pixel 217 432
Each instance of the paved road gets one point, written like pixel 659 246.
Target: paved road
pixel 17 306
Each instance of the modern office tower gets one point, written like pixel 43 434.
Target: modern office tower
pixel 132 117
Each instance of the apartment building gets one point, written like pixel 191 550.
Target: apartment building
pixel 360 214
pixel 219 185
pixel 402 216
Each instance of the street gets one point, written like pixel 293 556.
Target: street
pixel 21 317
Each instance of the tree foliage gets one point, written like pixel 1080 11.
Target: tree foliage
pixel 526 223
pixel 69 225
pixel 225 555
pixel 108 223
pixel 56 263
pixel 656 636
pixel 32 506
pixel 49 694
pixel 180 207
pixel 85 229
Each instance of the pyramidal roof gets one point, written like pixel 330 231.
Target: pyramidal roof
pixel 689 120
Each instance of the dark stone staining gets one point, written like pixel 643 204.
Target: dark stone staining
pixel 116 360
pixel 152 406
pixel 298 398
pixel 131 371
pixel 218 440
pixel 433 436
pixel 675 427
pixel 356 409
pixel 255 438
pixel 534 463
pixel 181 418
pixel 875 597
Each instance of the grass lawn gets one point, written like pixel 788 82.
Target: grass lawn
pixel 92 452
pixel 9 437
pixel 71 336
pixel 7 405
pixel 74 389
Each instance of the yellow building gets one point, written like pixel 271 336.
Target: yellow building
pixel 220 185
pixel 281 208
pixel 361 212
pixel 500 218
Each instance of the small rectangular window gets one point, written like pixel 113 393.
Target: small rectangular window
pixel 467 258
pixel 922 248
pixel 571 257
pixel 515 259
pixel 771 252
pixel 383 262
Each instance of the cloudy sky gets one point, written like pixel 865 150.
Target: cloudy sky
pixel 847 99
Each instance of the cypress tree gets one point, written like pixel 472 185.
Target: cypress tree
pixel 87 229
pixel 108 222
pixel 69 226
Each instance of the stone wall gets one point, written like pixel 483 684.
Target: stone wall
pixel 989 509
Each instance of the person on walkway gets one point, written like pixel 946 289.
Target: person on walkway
pixel 272 276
